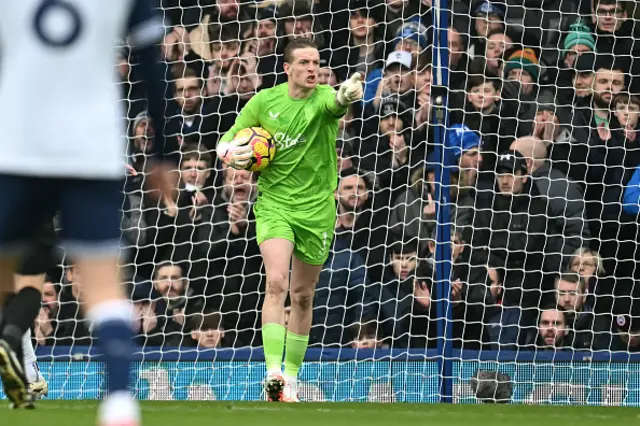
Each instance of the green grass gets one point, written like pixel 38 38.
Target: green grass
pixel 160 413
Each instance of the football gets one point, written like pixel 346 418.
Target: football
pixel 262 146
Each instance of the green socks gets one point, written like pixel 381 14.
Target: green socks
pixel 296 348
pixel 273 343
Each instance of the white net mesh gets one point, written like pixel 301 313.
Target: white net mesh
pixel 545 190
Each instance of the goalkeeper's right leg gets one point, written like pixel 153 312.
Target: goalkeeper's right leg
pixel 276 254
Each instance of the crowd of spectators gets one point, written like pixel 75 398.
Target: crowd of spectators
pixel 542 147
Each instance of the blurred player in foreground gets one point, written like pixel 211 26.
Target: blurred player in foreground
pixel 295 212
pixel 67 154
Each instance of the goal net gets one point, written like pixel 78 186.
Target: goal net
pixel 486 242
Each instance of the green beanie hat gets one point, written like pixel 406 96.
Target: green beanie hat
pixel 579 33
pixel 525 60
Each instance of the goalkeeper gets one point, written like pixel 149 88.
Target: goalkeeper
pixel 295 211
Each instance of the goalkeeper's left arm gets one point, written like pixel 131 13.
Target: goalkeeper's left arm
pixel 350 91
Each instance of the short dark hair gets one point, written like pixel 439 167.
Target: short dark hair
pixel 182 70
pixel 208 320
pixel 475 80
pixel 195 152
pixel 573 278
pixel 298 43
pixel 552 307
pixel 625 98
pixel 164 263
pixel 365 330
pixel 403 245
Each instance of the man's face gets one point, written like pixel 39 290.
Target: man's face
pixel 248 81
pixel 552 327
pixel 50 299
pixel 470 159
pixel 238 184
pixel 194 172
pixel 403 264
pixel 483 97
pixel 584 265
pixel 409 45
pixel 583 83
pixel 609 17
pixel 457 247
pixel 188 94
pixel 390 124
pixel 224 52
pixel 360 25
pixel 326 76
pixel 304 67
pixel 496 46
pixel 509 183
pixel 266 34
pixel 400 78
pixel 486 23
pixel 228 9
pixel 299 28
pixel 569 296
pixel 144 135
pixel 352 193
pixel 455 47
pixel 423 81
pixel 169 281
pixel 572 55
pixel 628 114
pixel 606 85
pixel 524 78
pixel 208 339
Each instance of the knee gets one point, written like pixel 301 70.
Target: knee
pixel 277 285
pixel 302 297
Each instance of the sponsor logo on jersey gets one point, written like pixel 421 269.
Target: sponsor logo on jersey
pixel 274 115
pixel 284 141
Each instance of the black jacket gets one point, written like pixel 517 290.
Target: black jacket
pixel 510 232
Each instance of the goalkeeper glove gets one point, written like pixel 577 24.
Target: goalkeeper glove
pixel 234 155
pixel 351 90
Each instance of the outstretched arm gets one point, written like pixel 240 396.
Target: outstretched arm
pixel 350 91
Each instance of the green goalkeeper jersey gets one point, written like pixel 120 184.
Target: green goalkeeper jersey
pixel 304 171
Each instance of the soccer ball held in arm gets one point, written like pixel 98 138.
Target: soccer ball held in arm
pixel 263 148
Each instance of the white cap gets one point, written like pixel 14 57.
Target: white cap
pixel 399 57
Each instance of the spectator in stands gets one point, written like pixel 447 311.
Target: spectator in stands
pixel 326 74
pixel 193 115
pixel 207 330
pixel 487 16
pixel 498 42
pixel 397 12
pixel 616 34
pixel 361 222
pixel 578 41
pixel 152 328
pixel 567 230
pixel 73 328
pixel 366 336
pixel 366 27
pixel 388 152
pixel 142 136
pixel 575 84
pixel 396 78
pixel 402 319
pixel 458 59
pixel 46 325
pixel 172 285
pixel 195 170
pixel 482 114
pixel 552 333
pixel 523 67
pixel 626 110
pixel 264 44
pixel 571 297
pixel 233 283
pixel 511 223
pixel 624 334
pixel 423 79
pixel 343 296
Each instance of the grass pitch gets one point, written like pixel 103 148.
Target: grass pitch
pixel 171 413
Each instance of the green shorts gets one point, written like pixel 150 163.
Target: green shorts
pixel 311 231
